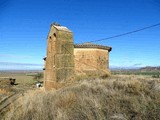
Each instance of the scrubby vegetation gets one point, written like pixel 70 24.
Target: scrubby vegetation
pixel 114 98
pixel 38 77
pixel 137 73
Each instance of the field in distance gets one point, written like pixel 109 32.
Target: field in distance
pixel 22 77
pixel 24 81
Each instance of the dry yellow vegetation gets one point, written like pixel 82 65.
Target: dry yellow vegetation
pixel 119 97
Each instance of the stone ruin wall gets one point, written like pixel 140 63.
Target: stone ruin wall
pixel 91 61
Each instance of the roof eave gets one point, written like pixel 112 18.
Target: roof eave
pixel 94 47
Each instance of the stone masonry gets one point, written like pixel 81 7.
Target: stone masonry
pixel 65 60
pixel 91 59
pixel 59 63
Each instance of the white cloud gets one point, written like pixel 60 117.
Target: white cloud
pixel 14 56
pixel 19 66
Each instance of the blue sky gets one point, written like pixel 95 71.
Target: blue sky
pixel 24 25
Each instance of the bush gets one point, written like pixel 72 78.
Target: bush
pixel 38 76
pixel 156 76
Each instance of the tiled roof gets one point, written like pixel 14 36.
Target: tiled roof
pixel 91 45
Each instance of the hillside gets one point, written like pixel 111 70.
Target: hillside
pixel 150 71
pixel 119 97
pixel 149 68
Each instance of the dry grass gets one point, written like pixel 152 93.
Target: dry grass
pixel 2 91
pixel 113 98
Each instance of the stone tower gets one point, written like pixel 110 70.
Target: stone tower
pixel 59 61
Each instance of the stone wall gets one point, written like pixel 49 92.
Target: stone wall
pixel 59 62
pixel 91 61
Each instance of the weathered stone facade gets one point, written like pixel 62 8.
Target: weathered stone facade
pixel 91 59
pixel 64 59
pixel 59 63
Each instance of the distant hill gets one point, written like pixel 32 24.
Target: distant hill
pixel 150 68
pixel 147 68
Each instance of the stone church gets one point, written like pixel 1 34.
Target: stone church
pixel 64 59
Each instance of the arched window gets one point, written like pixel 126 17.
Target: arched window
pixel 54 34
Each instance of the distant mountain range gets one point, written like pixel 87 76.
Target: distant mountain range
pixel 150 68
pixel 141 69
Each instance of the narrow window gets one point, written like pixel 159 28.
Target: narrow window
pixel 54 34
